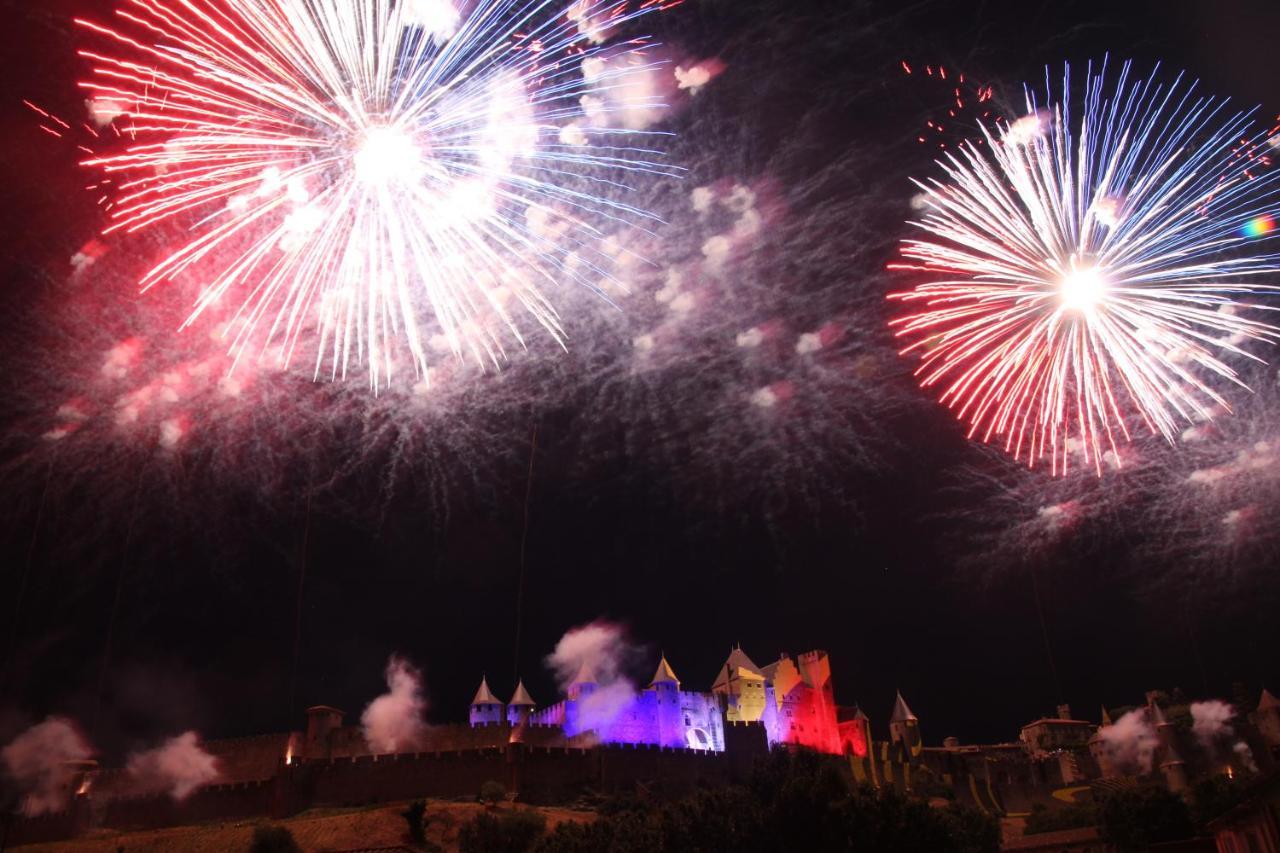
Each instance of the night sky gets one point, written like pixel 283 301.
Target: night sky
pixel 872 564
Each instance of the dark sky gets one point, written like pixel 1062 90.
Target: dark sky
pixel 204 634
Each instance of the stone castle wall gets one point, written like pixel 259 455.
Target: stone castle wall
pixel 538 774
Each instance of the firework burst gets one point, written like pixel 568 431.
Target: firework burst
pixel 365 181
pixel 1088 269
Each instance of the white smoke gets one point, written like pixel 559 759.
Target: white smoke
pixel 177 767
pixel 602 649
pixel 393 722
pixel 1211 725
pixel 38 763
pixel 1131 741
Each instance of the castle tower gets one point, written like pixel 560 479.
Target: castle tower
pixel 322 720
pixel 1267 720
pixel 486 709
pixel 1165 732
pixel 815 668
pixel 742 684
pixel 1174 770
pixel 666 689
pixel 904 729
pixel 520 706
pixel 1100 750
pixel 583 684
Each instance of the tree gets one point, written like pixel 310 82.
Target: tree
pixel 1134 819
pixel 1213 797
pixel 793 802
pixel 415 816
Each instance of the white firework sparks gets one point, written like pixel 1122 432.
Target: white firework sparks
pixel 360 179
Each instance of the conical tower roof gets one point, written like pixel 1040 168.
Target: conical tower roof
pixel 901 713
pixel 1106 718
pixel 521 698
pixel 484 696
pixel 664 675
pixel 1267 700
pixel 857 713
pixel 585 674
pixel 1156 716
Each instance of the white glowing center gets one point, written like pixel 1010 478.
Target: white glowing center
pixel 1082 289
pixel 387 155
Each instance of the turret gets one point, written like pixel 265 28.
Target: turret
pixel 486 709
pixel 583 684
pixel 322 720
pixel 904 728
pixel 1165 731
pixel 1100 749
pixel 666 689
pixel 1267 720
pixel 520 706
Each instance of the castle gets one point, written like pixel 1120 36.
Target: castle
pixel 611 737
pixel 791 699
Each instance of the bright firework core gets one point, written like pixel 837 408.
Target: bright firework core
pixel 1082 289
pixel 387 155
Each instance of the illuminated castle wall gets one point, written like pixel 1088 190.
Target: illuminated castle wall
pixel 793 700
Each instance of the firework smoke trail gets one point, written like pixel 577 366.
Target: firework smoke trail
pixel 1200 511
pixel 1088 272
pixel 1216 498
pixel 747 370
pixel 363 180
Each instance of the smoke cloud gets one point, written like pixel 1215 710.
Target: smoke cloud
pixel 1211 725
pixel 393 722
pixel 177 767
pixel 1131 741
pixel 602 650
pixel 37 762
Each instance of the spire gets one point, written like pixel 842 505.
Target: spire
pixel 586 675
pixel 484 696
pixel 664 675
pixel 1106 718
pixel 857 713
pixel 1155 716
pixel 521 698
pixel 1267 701
pixel 901 713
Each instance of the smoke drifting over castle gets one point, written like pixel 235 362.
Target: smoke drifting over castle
pixel 606 735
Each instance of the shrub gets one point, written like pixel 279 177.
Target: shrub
pixel 492 792
pixel 508 832
pixel 1073 816
pixel 273 839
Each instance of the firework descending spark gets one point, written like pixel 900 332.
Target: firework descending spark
pixel 1088 269
pixel 368 182
pixel 967 104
